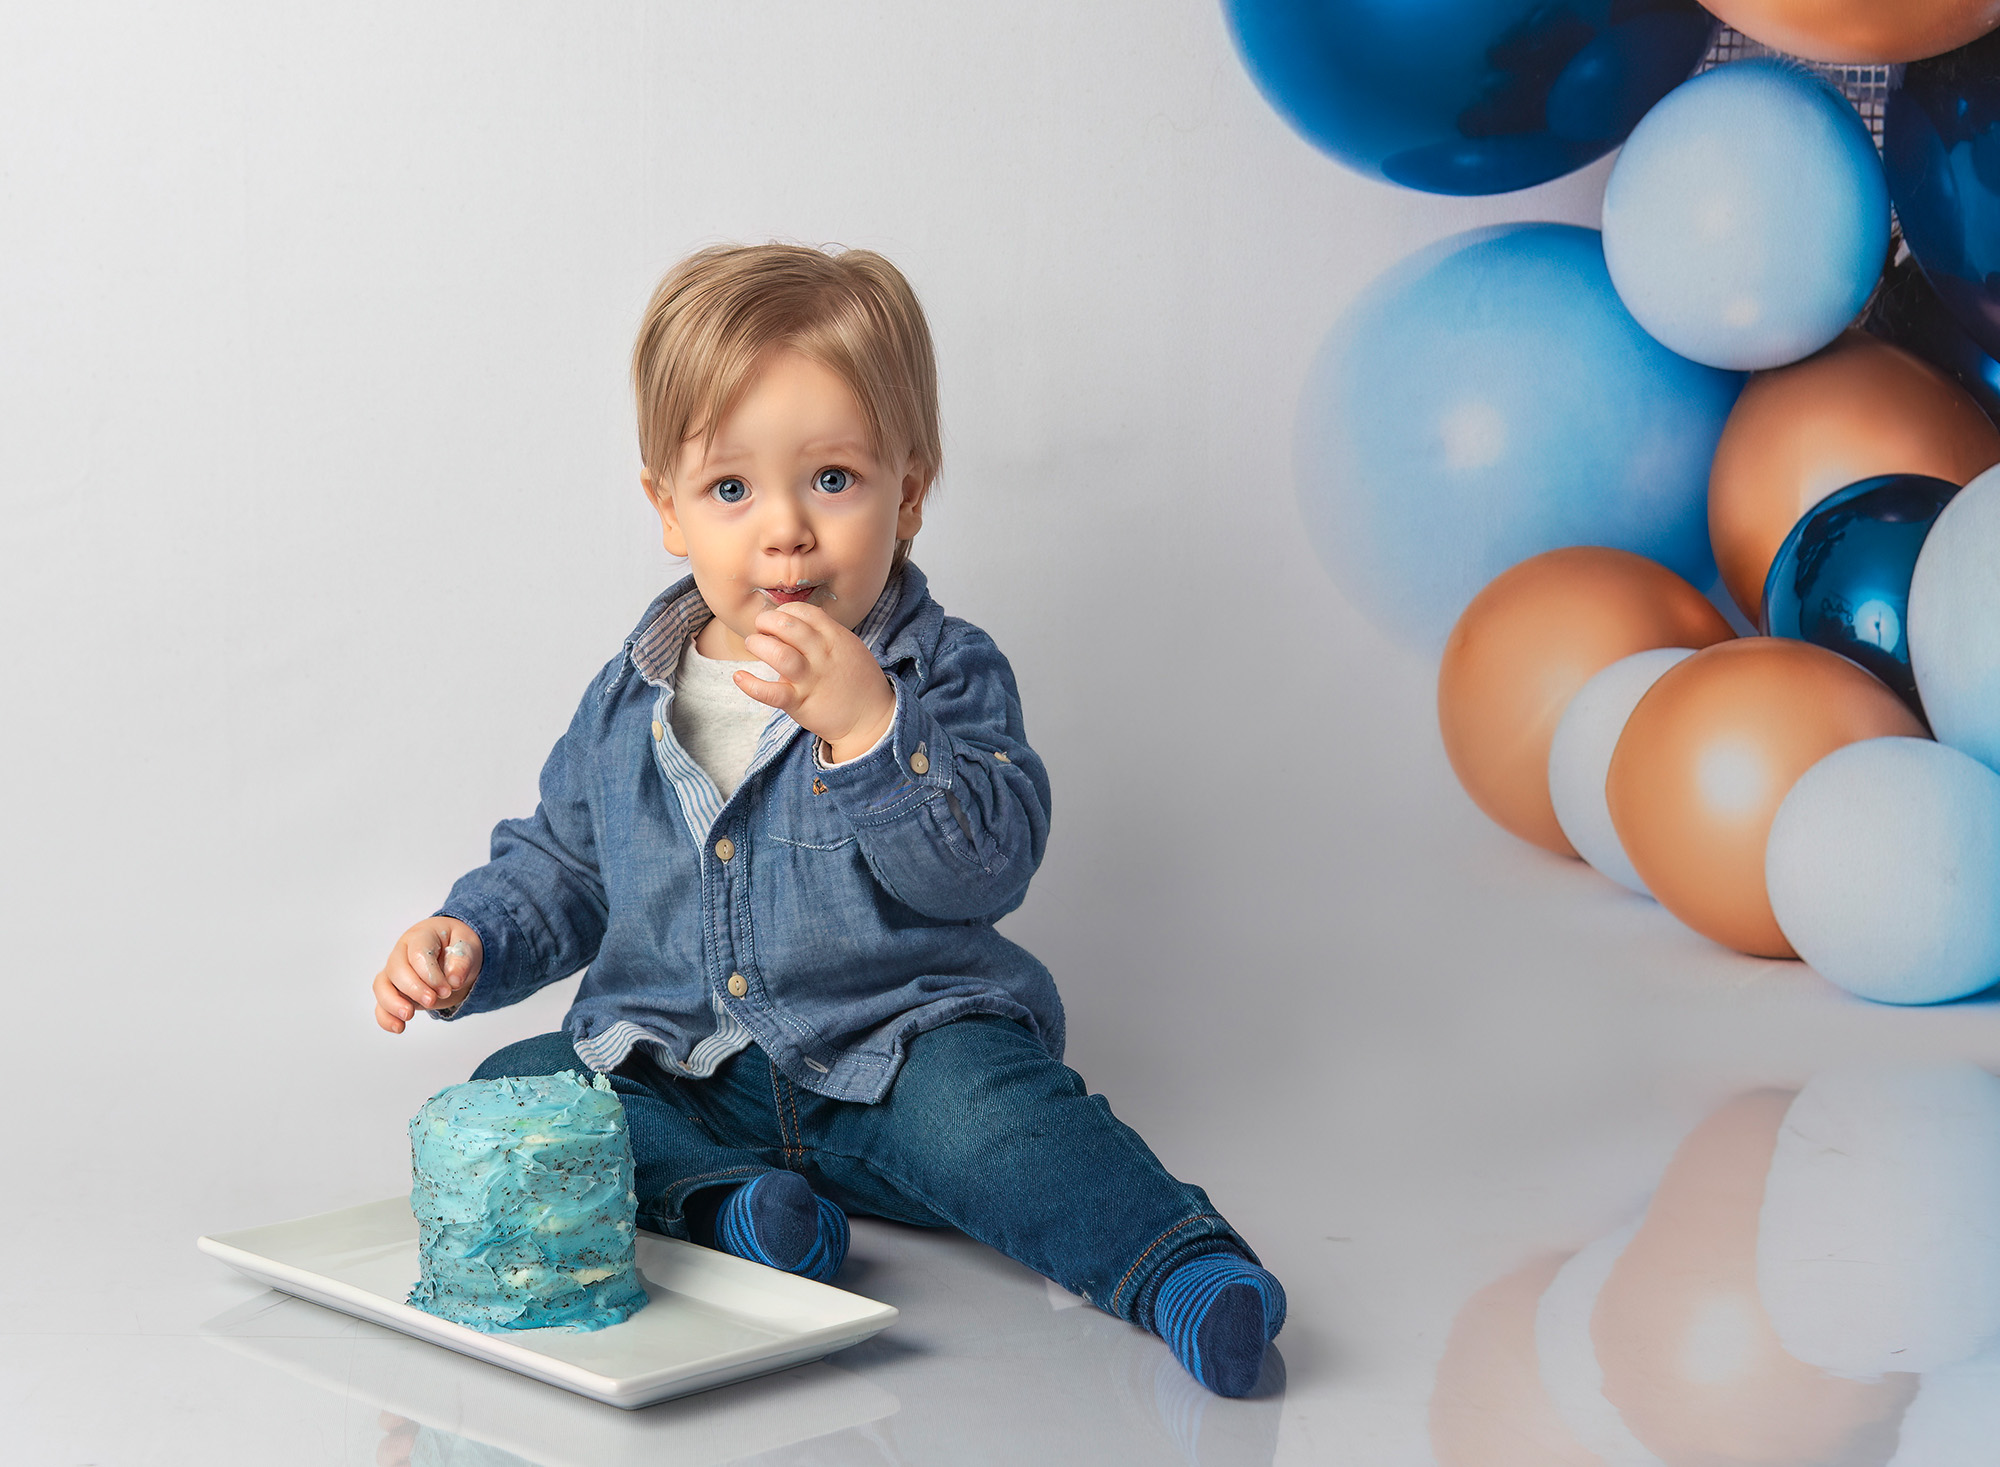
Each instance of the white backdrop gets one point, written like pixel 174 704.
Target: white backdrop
pixel 320 509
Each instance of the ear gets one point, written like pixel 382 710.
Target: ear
pixel 662 499
pixel 910 513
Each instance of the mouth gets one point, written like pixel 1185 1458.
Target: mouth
pixel 793 591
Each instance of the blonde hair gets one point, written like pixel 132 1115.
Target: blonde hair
pixel 716 314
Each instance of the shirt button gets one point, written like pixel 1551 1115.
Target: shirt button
pixel 920 763
pixel 658 732
pixel 724 849
pixel 737 986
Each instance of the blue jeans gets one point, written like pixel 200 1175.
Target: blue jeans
pixel 981 1131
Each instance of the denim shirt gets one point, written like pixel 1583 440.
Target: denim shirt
pixel 826 913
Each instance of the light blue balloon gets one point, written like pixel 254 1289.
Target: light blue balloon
pixel 1747 218
pixel 1954 621
pixel 1485 400
pixel 1883 869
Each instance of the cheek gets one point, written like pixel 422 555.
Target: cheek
pixel 867 541
pixel 870 522
pixel 717 532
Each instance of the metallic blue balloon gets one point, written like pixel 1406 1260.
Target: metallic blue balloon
pixel 1941 150
pixel 1468 96
pixel 1842 578
pixel 1908 313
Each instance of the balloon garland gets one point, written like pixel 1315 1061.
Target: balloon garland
pixel 1542 440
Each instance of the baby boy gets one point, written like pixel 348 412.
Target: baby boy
pixel 779 831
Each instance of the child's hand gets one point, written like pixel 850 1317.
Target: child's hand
pixel 430 967
pixel 829 680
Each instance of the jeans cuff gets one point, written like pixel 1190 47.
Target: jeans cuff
pixel 669 1214
pixel 1205 1233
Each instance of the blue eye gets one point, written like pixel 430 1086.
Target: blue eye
pixel 731 491
pixel 832 481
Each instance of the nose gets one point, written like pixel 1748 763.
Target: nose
pixel 785 528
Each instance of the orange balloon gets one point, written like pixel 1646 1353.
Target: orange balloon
pixel 1861 30
pixel 1489 1408
pixel 1690 1358
pixel 1707 755
pixel 1524 646
pixel 1858 408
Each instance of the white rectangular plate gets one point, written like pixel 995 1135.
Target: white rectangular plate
pixel 713 1318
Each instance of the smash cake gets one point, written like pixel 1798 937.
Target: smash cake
pixel 522 1191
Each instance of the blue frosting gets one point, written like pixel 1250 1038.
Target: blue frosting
pixel 523 1195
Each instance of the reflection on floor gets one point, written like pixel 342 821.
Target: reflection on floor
pixel 1814 1283
pixel 979 1338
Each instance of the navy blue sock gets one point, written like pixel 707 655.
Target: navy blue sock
pixel 1216 1313
pixel 777 1220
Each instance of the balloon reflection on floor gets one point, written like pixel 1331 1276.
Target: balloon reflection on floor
pixel 1815 1280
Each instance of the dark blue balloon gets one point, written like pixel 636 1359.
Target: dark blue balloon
pixel 1468 96
pixel 1941 150
pixel 1842 578
pixel 1908 313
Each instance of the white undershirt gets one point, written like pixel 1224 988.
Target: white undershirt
pixel 716 721
pixel 719 724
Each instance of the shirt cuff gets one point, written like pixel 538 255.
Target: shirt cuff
pixel 910 764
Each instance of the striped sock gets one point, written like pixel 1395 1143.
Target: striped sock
pixel 1216 1313
pixel 777 1220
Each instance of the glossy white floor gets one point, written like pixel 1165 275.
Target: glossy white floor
pixel 1440 1107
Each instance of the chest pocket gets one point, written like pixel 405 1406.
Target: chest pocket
pixel 802 815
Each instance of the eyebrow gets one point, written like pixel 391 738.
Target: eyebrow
pixel 856 446
pixel 720 456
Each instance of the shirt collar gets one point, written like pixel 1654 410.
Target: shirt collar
pixel 677 616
